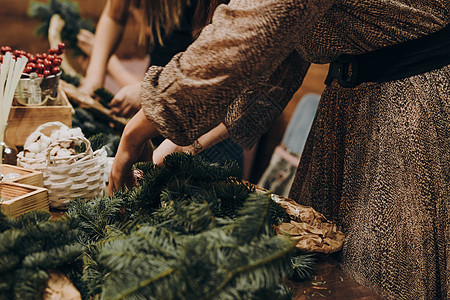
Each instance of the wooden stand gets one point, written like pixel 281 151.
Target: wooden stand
pixel 23 120
pixel 22 198
pixel 27 176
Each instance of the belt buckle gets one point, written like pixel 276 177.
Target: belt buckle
pixel 345 79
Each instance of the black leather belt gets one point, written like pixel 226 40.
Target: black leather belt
pixel 395 62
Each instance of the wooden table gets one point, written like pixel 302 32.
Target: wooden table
pixel 330 282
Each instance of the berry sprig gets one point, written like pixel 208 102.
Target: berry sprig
pixel 43 64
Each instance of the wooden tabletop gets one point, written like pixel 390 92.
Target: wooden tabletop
pixel 330 282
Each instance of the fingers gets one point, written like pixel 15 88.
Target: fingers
pixel 122 106
pixel 85 40
pixel 126 111
pixel 116 102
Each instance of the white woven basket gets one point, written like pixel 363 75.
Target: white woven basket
pixel 82 175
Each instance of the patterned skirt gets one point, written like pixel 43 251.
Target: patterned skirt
pixel 377 162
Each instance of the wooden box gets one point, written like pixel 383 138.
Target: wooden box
pixel 27 176
pixel 23 120
pixel 21 198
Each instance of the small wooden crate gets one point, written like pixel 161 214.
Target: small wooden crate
pixel 23 120
pixel 22 198
pixel 27 176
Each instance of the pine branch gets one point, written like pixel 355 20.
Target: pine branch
pixel 96 218
pixel 105 96
pixel 254 218
pixel 303 266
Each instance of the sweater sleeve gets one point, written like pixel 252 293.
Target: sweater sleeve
pixel 251 113
pixel 246 41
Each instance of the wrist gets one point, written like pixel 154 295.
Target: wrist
pixel 195 148
pixel 139 130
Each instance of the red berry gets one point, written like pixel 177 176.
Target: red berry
pixel 44 55
pixel 40 75
pixel 57 61
pixel 28 69
pixel 56 70
pixel 50 57
pixel 16 52
pixel 47 62
pixel 61 46
pixel 32 65
pixel 32 58
pixel 39 56
pixel 46 73
pixel 40 66
pixel 5 49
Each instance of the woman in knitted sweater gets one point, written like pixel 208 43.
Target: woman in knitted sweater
pixel 377 158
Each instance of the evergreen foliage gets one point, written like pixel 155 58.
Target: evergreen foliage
pixel 189 230
pixel 303 266
pixel 74 80
pixel 105 96
pixel 69 12
pixel 29 247
pixel 90 126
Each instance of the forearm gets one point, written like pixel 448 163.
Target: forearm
pixel 107 37
pixel 209 139
pixel 134 146
pixel 139 130
pixel 119 73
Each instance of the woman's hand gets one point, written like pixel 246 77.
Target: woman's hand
pixel 85 41
pixel 127 101
pixel 165 148
pixel 88 87
pixel 134 146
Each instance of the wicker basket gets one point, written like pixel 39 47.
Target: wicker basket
pixel 82 175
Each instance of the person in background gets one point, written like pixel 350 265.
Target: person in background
pixel 377 158
pixel 162 37
pixel 164 41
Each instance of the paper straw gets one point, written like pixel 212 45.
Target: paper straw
pixel 7 71
pixel 7 58
pixel 17 73
pixel 5 113
pixel 11 72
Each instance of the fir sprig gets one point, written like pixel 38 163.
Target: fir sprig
pixel 31 247
pixel 105 96
pixel 207 265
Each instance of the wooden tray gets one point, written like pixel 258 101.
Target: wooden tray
pixel 27 176
pixel 22 198
pixel 23 120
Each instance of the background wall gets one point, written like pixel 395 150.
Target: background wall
pixel 17 29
